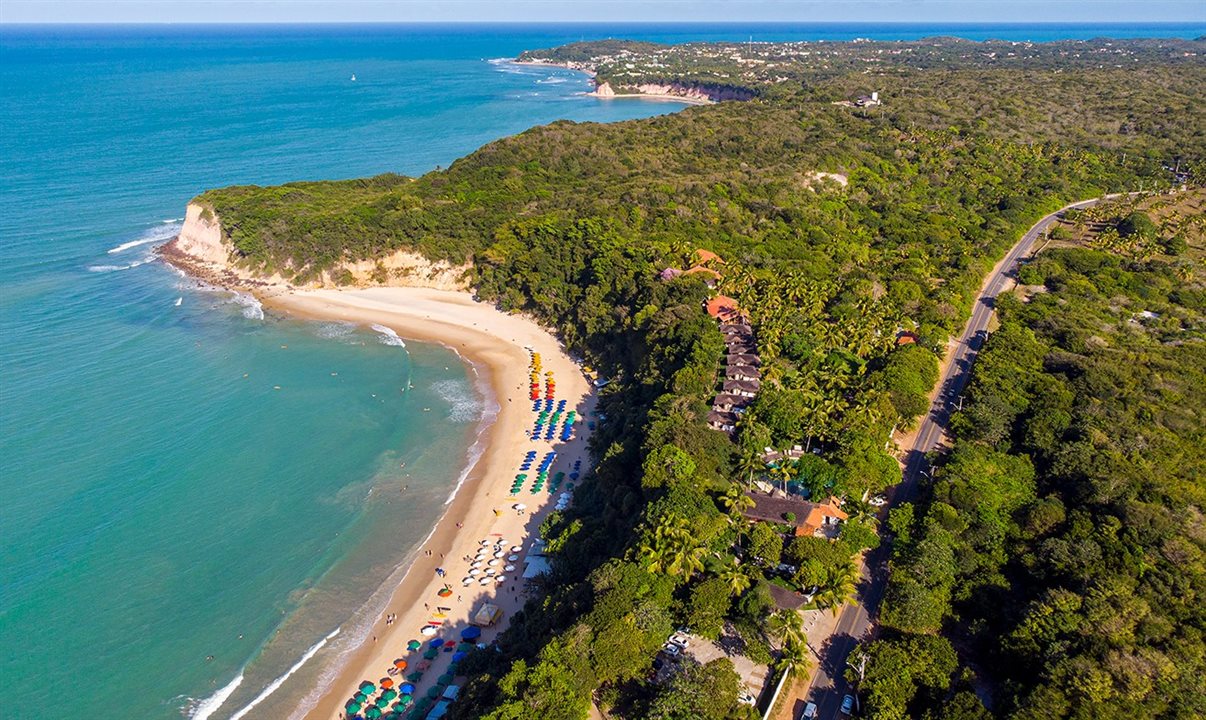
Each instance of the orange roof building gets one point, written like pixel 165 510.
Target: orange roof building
pixel 723 307
pixel 704 257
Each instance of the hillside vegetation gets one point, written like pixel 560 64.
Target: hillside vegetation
pixel 1073 483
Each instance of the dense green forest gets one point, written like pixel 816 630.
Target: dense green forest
pixel 1060 547
pixel 840 228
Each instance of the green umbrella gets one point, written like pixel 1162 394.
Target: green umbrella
pixel 434 692
pixel 414 645
pixel 382 702
pixel 372 713
pixel 405 700
pixel 360 697
pixel 367 687
pixel 446 678
pixel 390 694
pixel 352 708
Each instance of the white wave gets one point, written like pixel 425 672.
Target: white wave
pixel 172 220
pixel 552 81
pixel 252 309
pixel 275 684
pixel 388 336
pixel 117 268
pixel 179 300
pixel 153 235
pixel 465 405
pixel 210 705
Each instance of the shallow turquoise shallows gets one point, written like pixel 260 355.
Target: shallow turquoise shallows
pixel 199 504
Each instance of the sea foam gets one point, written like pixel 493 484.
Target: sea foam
pixel 168 230
pixel 203 709
pixel 388 336
pixel 252 309
pixel 275 684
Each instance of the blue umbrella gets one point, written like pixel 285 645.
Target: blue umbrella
pixel 407 689
pixel 437 643
pixel 458 656
pixel 470 633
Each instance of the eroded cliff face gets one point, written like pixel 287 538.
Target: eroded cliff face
pixel 203 250
pixel 699 93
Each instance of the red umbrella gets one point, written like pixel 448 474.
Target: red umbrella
pixel 387 683
pixel 400 664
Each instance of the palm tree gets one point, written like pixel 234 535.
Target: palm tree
pixel 672 548
pixel 861 512
pixel 784 627
pixel 736 578
pixel 838 587
pixel 748 465
pixel 796 655
pixel 735 501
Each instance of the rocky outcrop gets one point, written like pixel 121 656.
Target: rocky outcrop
pixel 203 250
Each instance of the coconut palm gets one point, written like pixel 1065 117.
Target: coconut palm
pixel 797 656
pixel 735 501
pixel 838 587
pixel 749 465
pixel 736 578
pixel 672 548
pixel 784 627
pixel 861 512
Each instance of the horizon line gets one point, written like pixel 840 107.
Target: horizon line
pixel 979 23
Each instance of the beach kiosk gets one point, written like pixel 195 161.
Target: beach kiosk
pixel 487 615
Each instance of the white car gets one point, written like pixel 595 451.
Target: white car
pixel 672 650
pixel 810 711
pixel 678 639
pixel 746 699
pixel 878 501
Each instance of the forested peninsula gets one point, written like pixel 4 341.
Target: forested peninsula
pixel 853 202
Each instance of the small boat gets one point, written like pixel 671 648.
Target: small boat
pixel 353 77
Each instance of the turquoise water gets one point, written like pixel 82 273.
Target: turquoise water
pixel 193 495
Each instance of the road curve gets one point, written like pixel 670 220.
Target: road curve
pixel 828 684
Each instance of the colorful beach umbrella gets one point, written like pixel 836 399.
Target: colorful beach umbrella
pixel 372 713
pixel 406 689
pixel 387 683
pixel 470 633
pixel 438 642
pixel 352 707
pixel 400 664
pixel 414 645
pixel 389 695
pixel 459 655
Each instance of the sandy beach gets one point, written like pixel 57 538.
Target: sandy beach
pixel 497 345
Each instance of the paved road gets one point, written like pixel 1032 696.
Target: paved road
pixel 828 684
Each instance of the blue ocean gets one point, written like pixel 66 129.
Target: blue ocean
pixel 200 502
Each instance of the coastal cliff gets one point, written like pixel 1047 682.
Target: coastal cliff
pixel 690 93
pixel 203 250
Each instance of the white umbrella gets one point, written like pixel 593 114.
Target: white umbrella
pixel 484 581
pixel 500 579
pixel 428 630
pixel 509 568
pixel 516 548
pixel 485 542
pixel 499 554
pixel 474 571
pixel 493 563
pixel 475 563
pixel 491 571
pixel 519 506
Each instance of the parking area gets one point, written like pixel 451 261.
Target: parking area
pixel 702 650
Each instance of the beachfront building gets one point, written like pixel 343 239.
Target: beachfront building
pixel 807 519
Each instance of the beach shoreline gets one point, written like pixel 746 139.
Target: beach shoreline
pixel 497 347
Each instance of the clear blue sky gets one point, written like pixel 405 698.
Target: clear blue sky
pixel 183 11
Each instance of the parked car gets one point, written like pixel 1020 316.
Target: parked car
pixel 786 569
pixel 746 699
pixel 878 501
pixel 678 639
pixel 810 711
pixel 672 650
pixel 810 593
pixel 848 705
